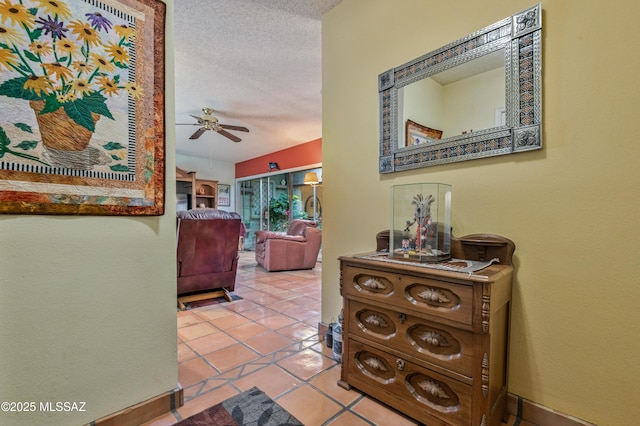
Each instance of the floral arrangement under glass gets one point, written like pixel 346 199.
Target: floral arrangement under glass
pixel 66 68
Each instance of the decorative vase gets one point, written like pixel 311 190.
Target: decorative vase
pixel 59 131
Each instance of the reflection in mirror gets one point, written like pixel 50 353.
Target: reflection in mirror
pixel 476 97
pixel 468 97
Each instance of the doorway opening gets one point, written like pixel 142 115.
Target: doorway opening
pixel 271 202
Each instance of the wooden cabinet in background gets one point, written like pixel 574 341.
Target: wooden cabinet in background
pixel 206 193
pixel 431 343
pixel 200 193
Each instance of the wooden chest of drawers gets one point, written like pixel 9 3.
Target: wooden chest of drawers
pixel 430 343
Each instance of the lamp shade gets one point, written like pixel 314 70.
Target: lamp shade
pixel 311 178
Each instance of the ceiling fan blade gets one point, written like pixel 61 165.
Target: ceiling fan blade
pixel 198 133
pixel 188 124
pixel 229 135
pixel 238 128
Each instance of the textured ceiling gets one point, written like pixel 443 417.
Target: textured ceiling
pixel 258 64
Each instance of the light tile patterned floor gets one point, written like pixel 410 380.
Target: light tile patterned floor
pixel 269 339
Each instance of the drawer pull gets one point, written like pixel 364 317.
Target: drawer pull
pixel 376 320
pixel 402 317
pixel 400 364
pixel 377 323
pixel 434 389
pixel 375 363
pixel 434 296
pixel 374 284
pixel 435 339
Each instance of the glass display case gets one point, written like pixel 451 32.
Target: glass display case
pixel 420 222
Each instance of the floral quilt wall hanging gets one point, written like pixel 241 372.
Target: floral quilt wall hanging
pixel 82 107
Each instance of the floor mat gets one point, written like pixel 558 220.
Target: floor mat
pixel 250 408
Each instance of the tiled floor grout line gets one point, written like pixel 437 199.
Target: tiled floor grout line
pixel 299 374
pixel 347 410
pixel 293 299
pixel 344 407
pixel 295 348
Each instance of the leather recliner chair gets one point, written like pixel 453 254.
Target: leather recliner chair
pixel 297 248
pixel 207 250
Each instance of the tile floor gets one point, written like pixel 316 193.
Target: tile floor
pixel 269 339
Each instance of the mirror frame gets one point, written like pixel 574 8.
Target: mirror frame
pixel 520 36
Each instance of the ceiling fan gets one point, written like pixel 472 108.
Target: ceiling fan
pixel 208 122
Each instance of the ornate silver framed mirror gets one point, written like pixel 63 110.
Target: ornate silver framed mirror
pixel 479 96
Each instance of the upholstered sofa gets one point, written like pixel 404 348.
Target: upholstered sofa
pixel 207 250
pixel 298 248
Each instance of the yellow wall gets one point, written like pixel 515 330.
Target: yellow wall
pixel 420 102
pixel 470 104
pixel 88 304
pixel 571 208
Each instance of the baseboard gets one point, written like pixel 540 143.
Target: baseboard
pixel 144 411
pixel 538 414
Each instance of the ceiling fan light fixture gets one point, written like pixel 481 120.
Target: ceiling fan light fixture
pixel 209 122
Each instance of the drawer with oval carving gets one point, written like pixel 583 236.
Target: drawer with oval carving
pixel 371 284
pixel 433 297
pixel 382 374
pixel 448 347
pixel 373 321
